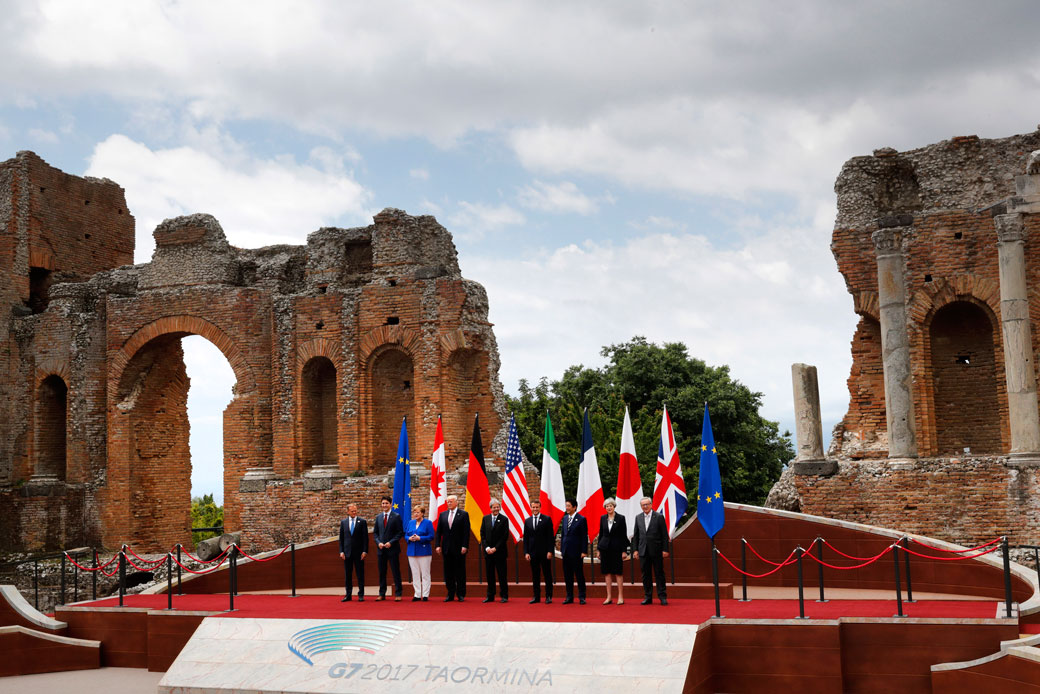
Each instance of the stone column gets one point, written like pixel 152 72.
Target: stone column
pixel 1018 344
pixel 895 345
pixel 808 428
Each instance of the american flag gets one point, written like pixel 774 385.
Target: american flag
pixel 515 502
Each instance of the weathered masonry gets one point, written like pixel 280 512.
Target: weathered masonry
pixel 940 250
pixel 331 343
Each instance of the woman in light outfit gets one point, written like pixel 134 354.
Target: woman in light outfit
pixel 420 552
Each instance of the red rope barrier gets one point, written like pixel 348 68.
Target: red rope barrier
pixel 787 562
pixel 247 556
pixel 773 563
pixel 846 568
pixel 146 561
pixel 956 551
pixel 219 557
pixel 131 563
pixel 848 556
pixel 192 571
pixel 91 568
pixel 961 558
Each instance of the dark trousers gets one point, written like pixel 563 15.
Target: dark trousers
pixel 541 566
pixel 455 574
pixel 353 565
pixel 654 563
pixel 574 568
pixel 496 563
pixel 394 560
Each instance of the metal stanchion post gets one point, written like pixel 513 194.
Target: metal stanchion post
pixel 819 564
pixel 122 574
pixel 801 585
pixel 592 565
pixel 743 570
pixel 1007 577
pixel 169 580
pixel 179 591
pixel 516 555
pixel 292 567
pixel 75 582
pixel 36 583
pixel 231 580
pixel 93 577
pixel 906 565
pixel 671 559
pixel 715 577
pixel 899 583
pixel 64 554
pixel 1036 557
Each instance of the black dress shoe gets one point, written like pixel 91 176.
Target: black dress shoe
pixel 361 598
pixel 488 600
pixel 449 598
pixel 646 601
pixel 504 600
pixel 533 601
pixel 460 598
pixel 567 601
pixel 581 601
pixel 416 599
pixel 664 601
pixel 548 601
pixel 425 599
pixel 346 599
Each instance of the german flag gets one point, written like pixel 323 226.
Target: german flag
pixel 478 496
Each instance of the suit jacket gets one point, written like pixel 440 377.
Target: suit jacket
pixel 574 535
pixel 392 531
pixel 650 541
pixel 353 545
pixel 616 540
pixel 452 540
pixel 541 540
pixel 496 535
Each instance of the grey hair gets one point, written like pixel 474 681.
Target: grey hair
pixel 609 500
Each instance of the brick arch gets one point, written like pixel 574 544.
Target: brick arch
pixel 935 295
pixel 245 381
pixel 866 304
pixel 389 335
pixel 51 367
pixel 453 341
pixel 318 347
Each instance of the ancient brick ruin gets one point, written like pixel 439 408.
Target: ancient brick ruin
pixel 331 343
pixel 939 250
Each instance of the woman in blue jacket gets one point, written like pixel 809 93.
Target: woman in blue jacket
pixel 420 552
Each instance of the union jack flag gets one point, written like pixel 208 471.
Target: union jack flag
pixel 669 488
pixel 515 502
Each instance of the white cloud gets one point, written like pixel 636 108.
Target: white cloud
pixel 560 197
pixel 474 219
pixel 771 302
pixel 257 201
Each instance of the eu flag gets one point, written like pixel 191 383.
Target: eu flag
pixel 403 476
pixel 709 487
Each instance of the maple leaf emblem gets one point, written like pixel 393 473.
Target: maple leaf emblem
pixel 436 479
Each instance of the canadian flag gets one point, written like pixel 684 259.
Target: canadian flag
pixel 590 490
pixel 629 483
pixel 438 481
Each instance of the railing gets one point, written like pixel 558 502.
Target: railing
pixel 901 545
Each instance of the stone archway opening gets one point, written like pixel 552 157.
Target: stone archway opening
pixel 50 437
pixel 392 377
pixel 162 473
pixel 965 380
pixel 319 423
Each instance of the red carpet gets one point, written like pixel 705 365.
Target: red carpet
pixel 518 610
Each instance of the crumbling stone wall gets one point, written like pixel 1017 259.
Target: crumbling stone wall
pixel 331 343
pixel 944 197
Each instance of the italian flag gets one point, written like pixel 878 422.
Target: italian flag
pixel 552 495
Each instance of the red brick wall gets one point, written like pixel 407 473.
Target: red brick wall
pixel 319 423
pixel 50 427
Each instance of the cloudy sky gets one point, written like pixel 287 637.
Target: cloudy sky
pixel 608 169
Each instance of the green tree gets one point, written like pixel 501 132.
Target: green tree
pixel 645 376
pixel 205 514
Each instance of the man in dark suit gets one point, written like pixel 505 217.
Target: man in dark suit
pixel 574 546
pixel 452 542
pixel 494 531
pixel 538 549
pixel 389 531
pixel 650 541
pixel 353 548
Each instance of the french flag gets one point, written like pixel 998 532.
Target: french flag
pixel 590 490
